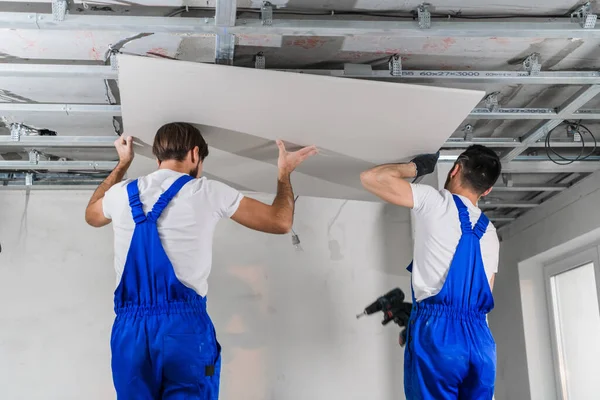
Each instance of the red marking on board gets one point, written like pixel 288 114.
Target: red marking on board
pixel 350 55
pixel 448 42
pixel 94 53
pixel 307 43
pixel 28 42
pixel 442 45
pixel 500 40
pixel 254 40
pixel 430 45
pixel 159 50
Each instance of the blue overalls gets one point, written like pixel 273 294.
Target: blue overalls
pixel 451 353
pixel 163 342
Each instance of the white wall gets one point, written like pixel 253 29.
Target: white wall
pixel 566 223
pixel 286 319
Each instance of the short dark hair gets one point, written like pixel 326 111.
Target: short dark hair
pixel 173 142
pixel 480 168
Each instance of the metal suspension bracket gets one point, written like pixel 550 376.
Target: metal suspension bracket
pixel 583 15
pixel 225 18
pixel 16 131
pixel 491 101
pixel 468 129
pixel 59 9
pixel 34 157
pixel 224 49
pixel 574 133
pixel 28 179
pixel 114 65
pixel 532 64
pixel 260 61
pixel 395 65
pixel 266 13
pixel 424 16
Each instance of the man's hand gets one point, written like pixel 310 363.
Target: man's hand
pixel 288 162
pixel 279 216
pixel 425 164
pixel 94 214
pixel 124 146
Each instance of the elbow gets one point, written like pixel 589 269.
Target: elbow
pixel 88 219
pixel 91 221
pixel 282 227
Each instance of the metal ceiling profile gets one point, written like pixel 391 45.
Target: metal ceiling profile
pixel 33 70
pixel 108 142
pixel 564 28
pixel 515 167
pixel 67 109
pixel 477 113
pixel 65 166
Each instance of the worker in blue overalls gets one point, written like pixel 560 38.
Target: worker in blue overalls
pixel 163 342
pixel 450 352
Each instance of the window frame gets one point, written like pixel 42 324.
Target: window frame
pixel 556 267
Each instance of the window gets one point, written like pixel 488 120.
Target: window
pixel 573 295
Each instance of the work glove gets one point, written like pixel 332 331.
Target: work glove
pixel 425 163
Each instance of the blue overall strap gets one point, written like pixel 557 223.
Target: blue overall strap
pixel 481 226
pixel 137 210
pixel 463 215
pixel 466 283
pixel 167 196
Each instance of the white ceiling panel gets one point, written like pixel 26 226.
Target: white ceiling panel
pixel 80 45
pixel 243 110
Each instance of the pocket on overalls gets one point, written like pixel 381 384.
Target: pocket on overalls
pixel 190 358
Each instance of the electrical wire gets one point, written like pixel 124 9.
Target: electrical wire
pixel 580 157
pixel 411 15
pixel 294 233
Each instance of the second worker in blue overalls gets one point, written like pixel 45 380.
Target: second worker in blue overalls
pixel 163 342
pixel 450 352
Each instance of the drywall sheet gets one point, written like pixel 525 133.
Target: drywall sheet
pixel 241 111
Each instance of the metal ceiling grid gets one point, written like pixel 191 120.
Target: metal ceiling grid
pixel 225 27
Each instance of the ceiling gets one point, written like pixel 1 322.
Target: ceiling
pixel 308 36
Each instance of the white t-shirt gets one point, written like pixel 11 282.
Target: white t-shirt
pixel 185 227
pixel 436 235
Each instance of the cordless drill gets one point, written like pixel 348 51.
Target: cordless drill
pixel 394 309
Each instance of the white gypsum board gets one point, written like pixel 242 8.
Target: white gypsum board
pixel 252 167
pixel 356 123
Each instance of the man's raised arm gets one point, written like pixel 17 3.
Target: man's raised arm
pixel 278 217
pixel 94 214
pixel 388 181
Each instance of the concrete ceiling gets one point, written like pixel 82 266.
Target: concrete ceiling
pixel 433 53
